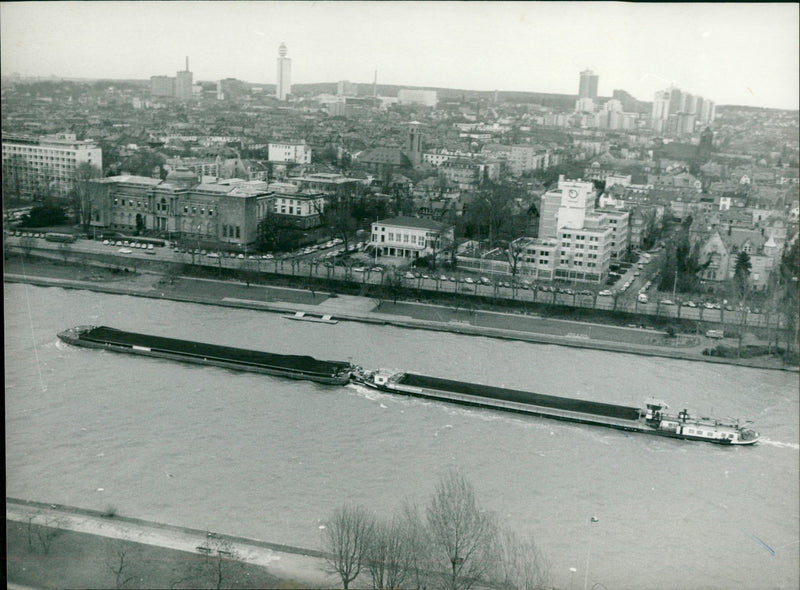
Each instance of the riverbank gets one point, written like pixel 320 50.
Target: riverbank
pixel 518 325
pixel 61 546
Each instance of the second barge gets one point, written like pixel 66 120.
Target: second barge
pixel 284 365
pixel 652 419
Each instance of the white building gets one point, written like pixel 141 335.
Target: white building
pixel 303 210
pixel 47 164
pixel 298 153
pixel 583 243
pixel 409 237
pixel 283 79
pixel 584 105
pixel 426 98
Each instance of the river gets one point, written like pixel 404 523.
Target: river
pixel 271 458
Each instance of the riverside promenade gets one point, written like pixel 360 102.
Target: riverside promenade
pixel 527 327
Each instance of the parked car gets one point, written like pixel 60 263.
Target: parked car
pixel 689 304
pixel 605 293
pixel 667 302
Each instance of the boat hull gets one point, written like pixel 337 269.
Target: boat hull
pixel 619 419
pixel 204 354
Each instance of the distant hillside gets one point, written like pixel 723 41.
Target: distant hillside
pixel 558 101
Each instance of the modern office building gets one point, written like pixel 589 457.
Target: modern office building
pixel 183 83
pixel 290 152
pixel 45 166
pixel 162 86
pixel 283 78
pixel 588 85
pixel 581 248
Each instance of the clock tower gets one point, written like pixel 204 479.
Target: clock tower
pixel 577 199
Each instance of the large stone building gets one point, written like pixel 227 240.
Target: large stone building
pixel 225 212
pixel 45 166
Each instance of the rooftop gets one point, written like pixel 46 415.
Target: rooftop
pixel 412 222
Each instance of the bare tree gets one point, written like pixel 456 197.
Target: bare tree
pixel 520 565
pixel 84 173
pixel 47 533
pixel 121 564
pixel 417 541
pixel 390 554
pixel 462 534
pixel 222 564
pixel 347 538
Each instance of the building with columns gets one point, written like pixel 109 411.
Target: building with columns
pixel 409 237
pixel 225 212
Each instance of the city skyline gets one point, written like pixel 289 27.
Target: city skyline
pixel 733 53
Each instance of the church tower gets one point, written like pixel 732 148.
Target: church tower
pixel 414 143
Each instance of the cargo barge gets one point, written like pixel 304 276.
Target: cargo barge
pixel 652 419
pixel 293 366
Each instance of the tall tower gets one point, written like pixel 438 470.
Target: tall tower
pixel 283 81
pixel 588 85
pixel 414 144
pixel 183 83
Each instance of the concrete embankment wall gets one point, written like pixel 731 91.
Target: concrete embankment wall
pixel 402 322
pixel 56 509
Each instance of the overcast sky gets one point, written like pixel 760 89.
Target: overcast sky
pixel 732 53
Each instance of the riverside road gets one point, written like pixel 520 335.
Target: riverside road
pixel 367 273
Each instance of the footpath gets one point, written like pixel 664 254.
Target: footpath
pixel 527 327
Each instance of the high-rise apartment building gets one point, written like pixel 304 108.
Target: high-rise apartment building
pixel 162 86
pixel 46 165
pixel 588 85
pixel 183 83
pixel 283 79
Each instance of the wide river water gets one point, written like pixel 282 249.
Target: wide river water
pixel 271 458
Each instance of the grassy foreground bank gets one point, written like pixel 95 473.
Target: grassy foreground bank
pixel 51 557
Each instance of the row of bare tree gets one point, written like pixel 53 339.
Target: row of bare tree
pixel 453 544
